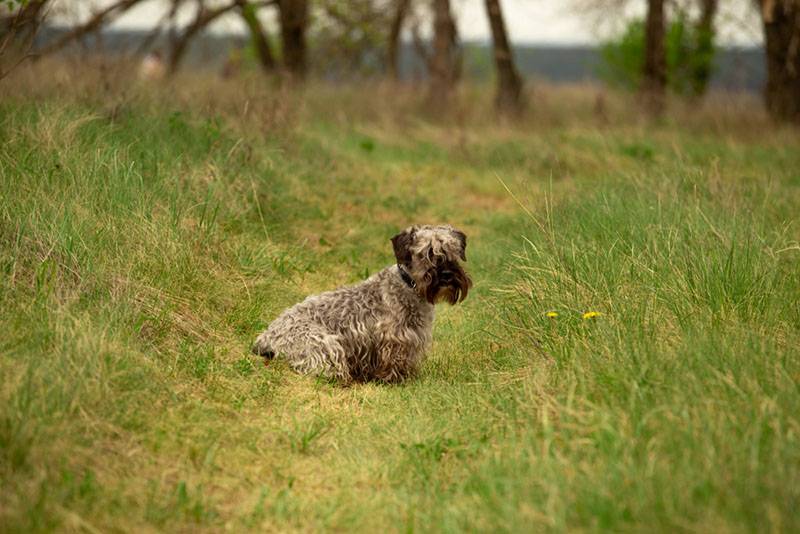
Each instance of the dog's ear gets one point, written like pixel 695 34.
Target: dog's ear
pixel 462 238
pixel 402 246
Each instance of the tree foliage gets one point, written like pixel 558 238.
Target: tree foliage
pixel 351 35
pixel 689 52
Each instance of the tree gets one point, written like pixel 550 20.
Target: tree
pixel 689 49
pixel 395 31
pixel 509 82
pixel 17 31
pixel 24 22
pixel 294 20
pixel 654 81
pixel 205 16
pixel 781 20
pixel 704 47
pixel 202 19
pixel 207 12
pixel 352 35
pixel 93 24
pixel 444 61
pixel 258 35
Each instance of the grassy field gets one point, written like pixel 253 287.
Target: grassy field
pixel 147 234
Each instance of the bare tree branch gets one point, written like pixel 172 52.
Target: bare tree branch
pixel 203 18
pixel 94 23
pixel 27 19
pixel 167 19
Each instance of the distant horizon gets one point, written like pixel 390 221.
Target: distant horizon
pixel 528 21
pixel 736 68
pixel 485 41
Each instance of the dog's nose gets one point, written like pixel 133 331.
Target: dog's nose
pixel 447 276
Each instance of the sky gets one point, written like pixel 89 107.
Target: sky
pixel 557 22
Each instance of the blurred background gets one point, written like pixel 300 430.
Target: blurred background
pixel 653 48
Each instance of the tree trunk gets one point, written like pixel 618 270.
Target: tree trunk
pixel 509 82
pixel 782 45
pixel 17 33
pixel 393 50
pixel 443 63
pixel 294 18
pixel 705 47
pixel 258 35
pixel 23 23
pixel 654 82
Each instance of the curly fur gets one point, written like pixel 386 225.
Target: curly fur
pixel 379 329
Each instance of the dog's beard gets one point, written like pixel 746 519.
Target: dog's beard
pixel 447 294
pixel 452 291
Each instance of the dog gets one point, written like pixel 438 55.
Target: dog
pixel 380 329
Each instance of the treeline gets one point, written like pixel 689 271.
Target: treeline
pixel 354 30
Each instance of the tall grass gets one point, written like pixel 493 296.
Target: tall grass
pixel 147 234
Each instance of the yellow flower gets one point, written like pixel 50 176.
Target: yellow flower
pixel 591 314
pixel 551 314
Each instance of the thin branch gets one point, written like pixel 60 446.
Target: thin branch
pixel 6 72
pixel 204 18
pixel 94 23
pixel 26 15
pixel 167 19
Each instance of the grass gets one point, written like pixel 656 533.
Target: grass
pixel 148 234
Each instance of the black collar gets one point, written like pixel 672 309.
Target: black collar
pixel 406 277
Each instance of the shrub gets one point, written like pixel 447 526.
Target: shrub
pixel 690 56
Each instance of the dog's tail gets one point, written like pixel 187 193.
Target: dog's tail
pixel 262 348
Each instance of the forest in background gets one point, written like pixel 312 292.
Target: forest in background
pixel 671 49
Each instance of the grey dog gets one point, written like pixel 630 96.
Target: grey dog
pixel 379 329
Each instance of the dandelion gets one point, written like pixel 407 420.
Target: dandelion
pixel 551 314
pixel 591 314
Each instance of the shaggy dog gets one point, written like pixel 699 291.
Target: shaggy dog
pixel 379 329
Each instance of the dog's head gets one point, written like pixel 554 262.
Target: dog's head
pixel 430 255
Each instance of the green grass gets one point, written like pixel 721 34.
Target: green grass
pixel 147 235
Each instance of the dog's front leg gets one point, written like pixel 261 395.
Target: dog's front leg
pixel 396 362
